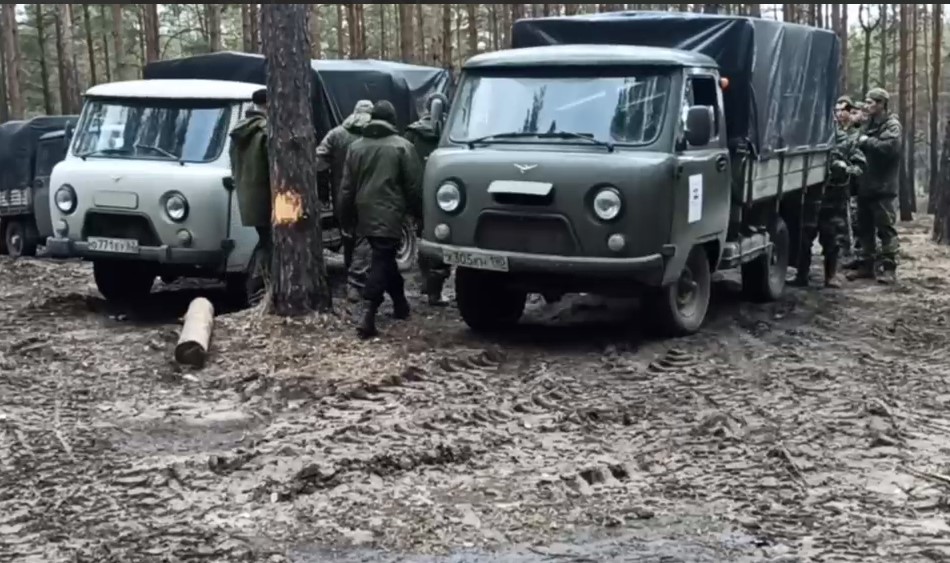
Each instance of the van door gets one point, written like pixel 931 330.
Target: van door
pixel 49 152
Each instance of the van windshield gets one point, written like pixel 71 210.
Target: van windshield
pixel 626 107
pixel 180 130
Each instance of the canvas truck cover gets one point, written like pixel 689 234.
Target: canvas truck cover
pixel 782 77
pixel 18 144
pixel 338 85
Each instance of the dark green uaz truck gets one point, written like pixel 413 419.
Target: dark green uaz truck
pixel 579 162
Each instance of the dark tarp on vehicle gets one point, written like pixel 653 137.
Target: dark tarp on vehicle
pixel 338 84
pixel 783 78
pixel 18 144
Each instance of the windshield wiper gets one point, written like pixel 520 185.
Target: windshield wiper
pixel 571 135
pixel 99 152
pixel 510 135
pixel 162 152
pixel 551 135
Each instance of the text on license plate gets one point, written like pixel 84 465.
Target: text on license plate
pixel 118 245
pixel 475 260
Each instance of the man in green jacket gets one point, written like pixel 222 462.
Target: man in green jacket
pixel 331 153
pixel 424 137
pixel 381 185
pixel 881 141
pixel 251 173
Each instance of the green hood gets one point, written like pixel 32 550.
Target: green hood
pixel 424 128
pixel 377 129
pixel 254 122
pixel 356 122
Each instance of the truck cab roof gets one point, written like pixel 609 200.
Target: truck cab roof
pixel 176 89
pixel 589 55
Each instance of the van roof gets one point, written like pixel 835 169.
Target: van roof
pixel 589 55
pixel 176 89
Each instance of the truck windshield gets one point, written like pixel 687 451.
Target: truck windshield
pixel 185 131
pixel 625 108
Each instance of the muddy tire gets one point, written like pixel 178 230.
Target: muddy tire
pixel 123 281
pixel 680 308
pixel 763 279
pixel 484 301
pixel 408 248
pixel 20 237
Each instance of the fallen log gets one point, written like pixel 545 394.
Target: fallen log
pixel 193 344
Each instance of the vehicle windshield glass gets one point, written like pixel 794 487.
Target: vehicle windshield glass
pixel 622 106
pixel 180 130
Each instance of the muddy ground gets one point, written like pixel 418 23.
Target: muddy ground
pixel 811 429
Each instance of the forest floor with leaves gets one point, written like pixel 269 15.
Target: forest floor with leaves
pixel 814 428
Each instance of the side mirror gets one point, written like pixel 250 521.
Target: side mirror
pixel 438 113
pixel 699 125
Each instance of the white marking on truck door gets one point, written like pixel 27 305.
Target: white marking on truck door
pixel 695 198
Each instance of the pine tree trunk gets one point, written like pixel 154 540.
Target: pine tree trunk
pixel 90 44
pixel 941 231
pixel 246 28
pixel 4 106
pixel 382 30
pixel 122 70
pixel 935 78
pixel 70 103
pixel 40 17
pixel 405 33
pixel 213 14
pixel 472 30
pixel 351 31
pixel 11 50
pixel 906 204
pixel 299 277
pixel 107 66
pixel 912 127
pixel 340 37
pixel 152 47
pixel 447 36
pixel 420 33
pixel 882 77
pixel 254 27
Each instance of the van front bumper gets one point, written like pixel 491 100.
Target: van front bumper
pixel 647 269
pixel 67 248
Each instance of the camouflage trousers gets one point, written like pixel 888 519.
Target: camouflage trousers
pixel 877 217
pixel 831 230
pixel 357 256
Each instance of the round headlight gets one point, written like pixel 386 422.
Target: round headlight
pixel 176 207
pixel 607 204
pixel 65 199
pixel 449 197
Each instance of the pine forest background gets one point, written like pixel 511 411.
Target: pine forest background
pixel 52 52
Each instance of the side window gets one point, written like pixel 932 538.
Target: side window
pixel 703 91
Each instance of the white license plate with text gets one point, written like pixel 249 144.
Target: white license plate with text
pixel 116 245
pixel 475 260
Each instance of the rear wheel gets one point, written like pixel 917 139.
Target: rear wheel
pixel 21 238
pixel 123 281
pixel 485 302
pixel 763 279
pixel 680 308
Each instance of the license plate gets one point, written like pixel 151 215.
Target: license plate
pixel 117 245
pixel 475 260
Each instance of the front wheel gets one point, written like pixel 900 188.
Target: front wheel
pixel 763 279
pixel 680 308
pixel 408 247
pixel 485 302
pixel 123 281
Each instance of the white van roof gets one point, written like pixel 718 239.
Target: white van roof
pixel 176 89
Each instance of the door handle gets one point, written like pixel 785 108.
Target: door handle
pixel 721 163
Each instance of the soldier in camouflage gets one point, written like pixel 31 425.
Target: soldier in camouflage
pixel 424 137
pixel 858 118
pixel 830 223
pixel 881 141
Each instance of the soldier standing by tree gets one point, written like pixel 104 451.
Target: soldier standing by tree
pixel 425 138
pixel 881 142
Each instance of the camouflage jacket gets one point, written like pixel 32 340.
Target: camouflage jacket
pixel 331 152
pixel 381 183
pixel 250 169
pixel 881 141
pixel 423 137
pixel 848 163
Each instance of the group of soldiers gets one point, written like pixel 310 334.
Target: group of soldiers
pixel 863 183
pixel 376 179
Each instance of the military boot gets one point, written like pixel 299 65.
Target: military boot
pixel 801 278
pixel 366 327
pixel 832 278
pixel 353 294
pixel 887 274
pixel 401 310
pixel 434 293
pixel 864 271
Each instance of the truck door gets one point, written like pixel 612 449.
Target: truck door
pixel 49 152
pixel 703 199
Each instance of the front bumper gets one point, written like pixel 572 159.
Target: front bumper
pixel 67 248
pixel 648 269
